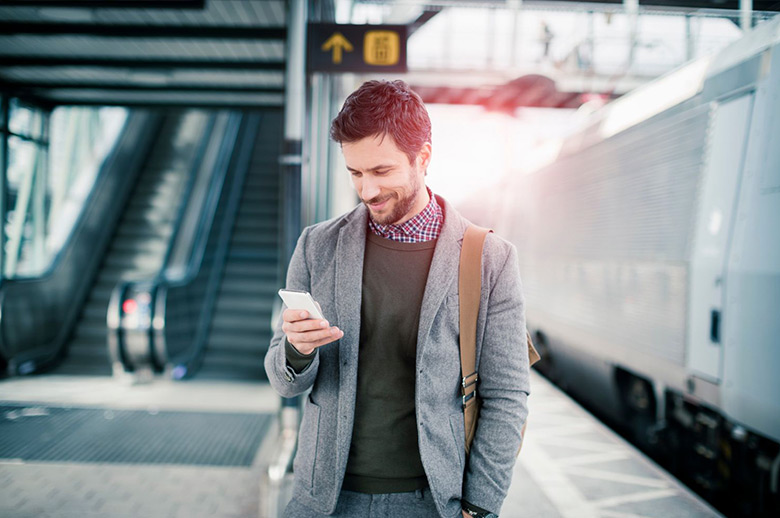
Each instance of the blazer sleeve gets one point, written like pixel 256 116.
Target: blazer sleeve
pixel 503 388
pixel 283 378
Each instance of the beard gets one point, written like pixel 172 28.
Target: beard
pixel 402 206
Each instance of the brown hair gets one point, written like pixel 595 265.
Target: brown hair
pixel 384 108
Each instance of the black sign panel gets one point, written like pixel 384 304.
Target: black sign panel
pixel 356 48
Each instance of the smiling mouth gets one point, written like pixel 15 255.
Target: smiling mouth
pixel 378 205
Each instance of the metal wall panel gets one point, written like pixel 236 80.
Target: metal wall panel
pixel 613 227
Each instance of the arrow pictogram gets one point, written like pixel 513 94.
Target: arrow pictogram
pixel 338 43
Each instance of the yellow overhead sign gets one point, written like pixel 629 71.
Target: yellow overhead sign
pixel 381 48
pixel 337 43
pixel 356 48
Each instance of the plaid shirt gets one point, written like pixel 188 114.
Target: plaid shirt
pixel 425 226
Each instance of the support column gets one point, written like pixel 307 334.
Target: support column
pixel 291 160
pixel 515 6
pixel 632 11
pixel 746 14
pixel 294 112
pixel 690 42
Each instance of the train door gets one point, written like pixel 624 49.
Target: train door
pixel 718 195
pixel 751 327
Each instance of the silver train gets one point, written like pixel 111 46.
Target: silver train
pixel 650 256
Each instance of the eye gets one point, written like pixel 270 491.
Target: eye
pixel 356 174
pixel 381 173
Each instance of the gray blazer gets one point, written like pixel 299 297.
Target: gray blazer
pixel 328 262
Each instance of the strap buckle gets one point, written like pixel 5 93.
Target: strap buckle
pixel 465 383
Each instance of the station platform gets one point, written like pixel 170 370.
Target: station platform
pixel 93 447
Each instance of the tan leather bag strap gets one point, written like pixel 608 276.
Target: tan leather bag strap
pixel 469 295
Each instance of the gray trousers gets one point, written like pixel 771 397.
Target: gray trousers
pixel 417 504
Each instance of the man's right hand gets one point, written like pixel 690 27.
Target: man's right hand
pixel 306 334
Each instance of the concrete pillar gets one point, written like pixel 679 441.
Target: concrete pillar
pixel 746 14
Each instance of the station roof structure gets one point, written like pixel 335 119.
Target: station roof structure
pixel 136 52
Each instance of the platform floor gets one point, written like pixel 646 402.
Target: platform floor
pixel 570 465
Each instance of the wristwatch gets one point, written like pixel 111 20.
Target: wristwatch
pixel 477 514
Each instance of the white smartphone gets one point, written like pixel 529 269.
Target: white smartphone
pixel 301 300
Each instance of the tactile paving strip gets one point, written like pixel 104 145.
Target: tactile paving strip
pixel 46 433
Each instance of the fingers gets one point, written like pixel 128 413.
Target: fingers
pixel 307 341
pixel 306 334
pixel 299 326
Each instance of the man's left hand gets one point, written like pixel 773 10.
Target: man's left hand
pixel 465 514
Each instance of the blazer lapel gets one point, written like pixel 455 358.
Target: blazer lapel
pixel 350 250
pixel 443 271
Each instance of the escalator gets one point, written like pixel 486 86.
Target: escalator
pixel 142 239
pixel 240 326
pixel 174 271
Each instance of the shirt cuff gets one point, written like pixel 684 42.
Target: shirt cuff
pixel 296 359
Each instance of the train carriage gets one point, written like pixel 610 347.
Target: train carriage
pixel 650 257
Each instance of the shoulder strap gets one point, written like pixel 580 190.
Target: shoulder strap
pixel 469 289
pixel 469 294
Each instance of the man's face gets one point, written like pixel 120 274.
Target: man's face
pixel 391 187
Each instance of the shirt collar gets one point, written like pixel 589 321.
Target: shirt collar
pixel 414 226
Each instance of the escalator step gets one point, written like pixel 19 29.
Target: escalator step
pixel 227 339
pixel 246 322
pixel 242 267
pixel 246 305
pixel 250 286
pixel 90 334
pixel 246 239
pixel 93 348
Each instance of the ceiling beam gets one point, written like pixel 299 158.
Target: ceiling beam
pixel 220 88
pixel 113 4
pixel 151 103
pixel 200 64
pixel 143 31
pixel 427 14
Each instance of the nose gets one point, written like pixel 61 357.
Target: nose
pixel 369 187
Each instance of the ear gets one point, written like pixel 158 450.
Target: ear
pixel 424 156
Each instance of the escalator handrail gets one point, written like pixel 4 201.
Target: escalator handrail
pixel 241 166
pixel 193 245
pixel 208 134
pixel 242 154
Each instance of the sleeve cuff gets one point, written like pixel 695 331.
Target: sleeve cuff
pixel 295 359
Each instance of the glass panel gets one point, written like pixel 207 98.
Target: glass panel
pixel 23 160
pixel 3 140
pixel 80 139
pixel 24 121
pixel 48 187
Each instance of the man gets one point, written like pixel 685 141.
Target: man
pixel 382 432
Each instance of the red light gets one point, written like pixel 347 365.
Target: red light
pixel 129 306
